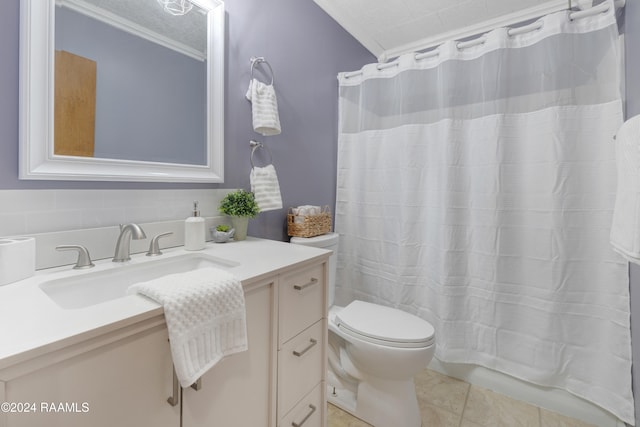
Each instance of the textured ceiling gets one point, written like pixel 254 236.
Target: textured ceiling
pixel 389 28
pixel 189 29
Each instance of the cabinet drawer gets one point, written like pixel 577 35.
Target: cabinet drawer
pixel 308 412
pixel 300 365
pixel 301 301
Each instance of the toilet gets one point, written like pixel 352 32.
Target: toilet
pixel 374 353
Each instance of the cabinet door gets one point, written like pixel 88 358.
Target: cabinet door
pixel 238 391
pixel 125 383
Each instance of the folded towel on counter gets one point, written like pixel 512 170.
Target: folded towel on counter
pixel 205 315
pixel 264 108
pixel 625 227
pixel 265 187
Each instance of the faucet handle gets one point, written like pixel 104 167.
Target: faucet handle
pixel 84 259
pixel 154 247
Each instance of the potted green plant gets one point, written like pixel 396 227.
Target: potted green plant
pixel 222 233
pixel 241 206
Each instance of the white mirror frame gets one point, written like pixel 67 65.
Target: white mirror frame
pixel 37 161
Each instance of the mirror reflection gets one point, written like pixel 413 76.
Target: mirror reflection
pixel 130 81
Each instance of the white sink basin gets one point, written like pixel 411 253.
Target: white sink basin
pixel 93 287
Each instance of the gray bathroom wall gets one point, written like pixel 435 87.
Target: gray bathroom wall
pixel 306 50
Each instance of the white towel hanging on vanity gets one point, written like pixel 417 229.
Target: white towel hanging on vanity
pixel 206 318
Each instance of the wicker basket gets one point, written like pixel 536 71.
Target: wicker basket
pixel 311 225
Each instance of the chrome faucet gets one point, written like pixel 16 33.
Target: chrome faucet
pixel 127 232
pixel 84 259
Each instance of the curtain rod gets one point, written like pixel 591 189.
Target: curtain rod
pixel 601 8
pixel 481 28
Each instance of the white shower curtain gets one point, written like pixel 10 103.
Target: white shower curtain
pixel 475 189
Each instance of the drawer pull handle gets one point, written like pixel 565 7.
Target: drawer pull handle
pixel 311 282
pixel 174 399
pixel 304 420
pixel 312 342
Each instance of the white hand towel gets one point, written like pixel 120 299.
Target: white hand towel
pixel 265 187
pixel 625 227
pixel 264 108
pixel 206 317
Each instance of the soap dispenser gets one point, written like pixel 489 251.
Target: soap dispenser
pixel 194 231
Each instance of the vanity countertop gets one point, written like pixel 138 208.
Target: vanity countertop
pixel 34 325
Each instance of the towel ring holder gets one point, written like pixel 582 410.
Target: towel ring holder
pixel 255 145
pixel 255 60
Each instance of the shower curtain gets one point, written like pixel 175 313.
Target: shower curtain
pixel 475 189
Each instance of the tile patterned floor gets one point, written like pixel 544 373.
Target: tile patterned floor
pixel 448 402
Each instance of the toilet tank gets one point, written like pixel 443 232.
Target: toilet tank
pixel 326 241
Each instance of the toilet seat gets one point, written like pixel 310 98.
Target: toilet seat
pixel 384 325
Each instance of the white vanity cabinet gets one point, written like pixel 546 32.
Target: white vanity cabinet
pixel 279 381
pixel 239 391
pixel 95 383
pixel 123 377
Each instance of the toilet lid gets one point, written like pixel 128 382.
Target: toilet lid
pixel 384 325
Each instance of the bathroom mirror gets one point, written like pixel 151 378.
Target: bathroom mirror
pixel 177 124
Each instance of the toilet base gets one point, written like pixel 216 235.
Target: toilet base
pixel 380 403
pixel 342 398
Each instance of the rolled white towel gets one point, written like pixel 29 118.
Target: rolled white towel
pixel 303 211
pixel 307 210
